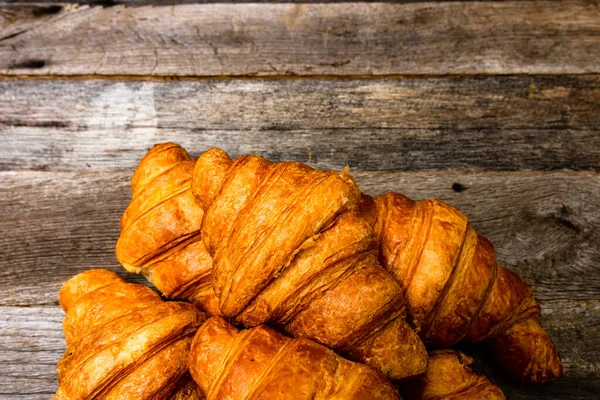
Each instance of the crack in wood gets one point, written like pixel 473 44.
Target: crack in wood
pixel 33 123
pixel 13 35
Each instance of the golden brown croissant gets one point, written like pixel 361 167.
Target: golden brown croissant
pixel 160 229
pixel 124 341
pixel 449 377
pixel 261 363
pixel 455 288
pixel 290 249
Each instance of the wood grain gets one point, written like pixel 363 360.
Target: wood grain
pixel 491 106
pixel 489 123
pixel 60 224
pixel 31 341
pixel 544 225
pixel 514 37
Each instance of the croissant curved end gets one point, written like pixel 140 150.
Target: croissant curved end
pixel 123 341
pixel 209 173
pixel 84 283
pixel 449 376
pixel 527 353
pixel 209 350
pixel 156 161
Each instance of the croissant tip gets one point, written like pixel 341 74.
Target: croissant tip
pixel 345 173
pixel 544 376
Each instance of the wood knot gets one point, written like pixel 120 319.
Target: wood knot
pixel 564 220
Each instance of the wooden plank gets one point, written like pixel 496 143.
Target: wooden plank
pixel 66 223
pixel 491 123
pixel 543 224
pixel 31 341
pixel 514 37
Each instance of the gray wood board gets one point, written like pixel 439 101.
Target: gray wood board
pixel 516 37
pixel 31 342
pixel 544 225
pixel 489 123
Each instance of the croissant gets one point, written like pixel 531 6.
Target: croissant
pixel 456 289
pixel 290 249
pixel 261 363
pixel 124 341
pixel 449 376
pixel 160 229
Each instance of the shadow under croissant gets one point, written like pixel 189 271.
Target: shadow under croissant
pixel 450 376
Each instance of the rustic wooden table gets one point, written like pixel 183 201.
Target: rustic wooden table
pixel 491 106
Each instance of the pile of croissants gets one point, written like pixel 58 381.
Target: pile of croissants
pixel 289 283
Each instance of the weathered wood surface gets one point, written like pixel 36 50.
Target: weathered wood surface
pixel 32 342
pixel 491 123
pixel 374 86
pixel 544 225
pixel 528 37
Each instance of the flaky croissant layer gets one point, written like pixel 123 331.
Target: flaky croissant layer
pixel 261 363
pixel 123 341
pixel 290 249
pixel 160 229
pixel 456 289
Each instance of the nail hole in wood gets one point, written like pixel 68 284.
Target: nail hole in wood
pixel 457 187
